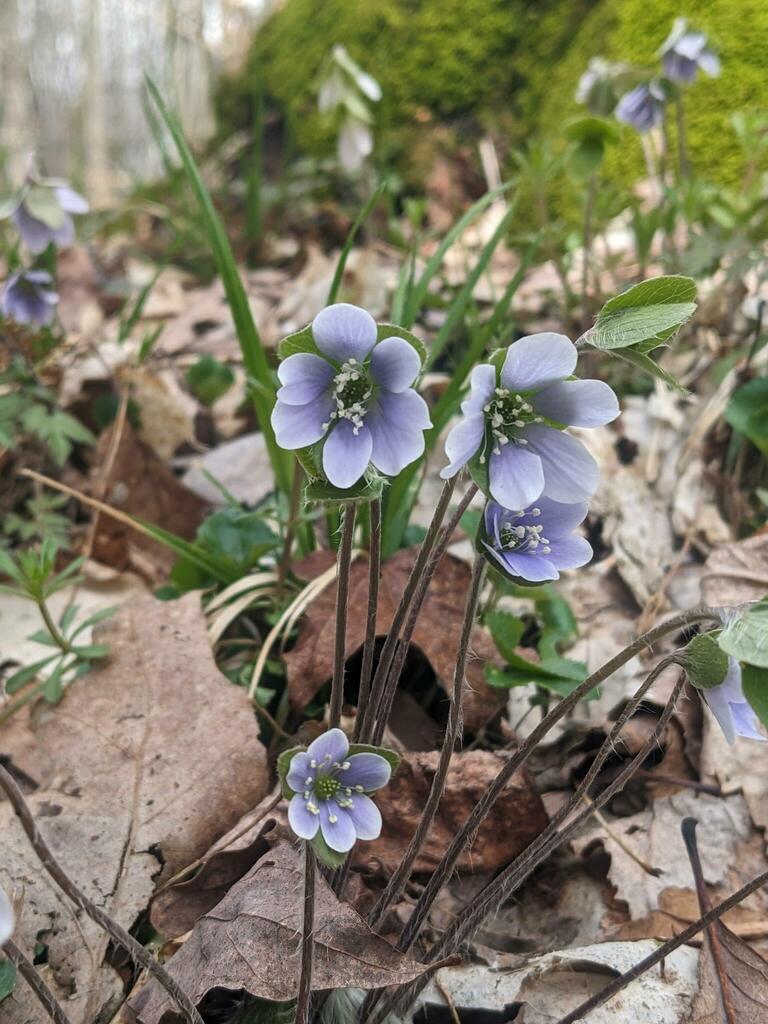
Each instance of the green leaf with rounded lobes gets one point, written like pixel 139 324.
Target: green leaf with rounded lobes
pixel 283 766
pixel 755 683
pixel 746 638
pixel 393 331
pixel 299 341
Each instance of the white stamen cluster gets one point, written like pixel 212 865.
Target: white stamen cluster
pixel 351 391
pixel 524 538
pixel 507 413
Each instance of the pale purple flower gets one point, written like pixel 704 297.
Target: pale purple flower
pixel 685 51
pixel 29 298
pixel 536 543
pixel 642 107
pixel 731 708
pixel 511 422
pixel 7 920
pixel 331 788
pixel 37 233
pixel 355 396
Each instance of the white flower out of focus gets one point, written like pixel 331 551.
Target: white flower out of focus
pixel 7 919
pixel 347 91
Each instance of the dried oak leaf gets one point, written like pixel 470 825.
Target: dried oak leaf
pixel 738 572
pixel 250 941
pixel 310 661
pixel 518 815
pixel 141 766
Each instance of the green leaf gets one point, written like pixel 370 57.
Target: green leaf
pixel 755 683
pixel 54 686
pixel 91 651
pixel 648 365
pixel 368 488
pixel 24 675
pixel 746 638
pixel 7 978
pixel 362 217
pixel 393 331
pixel 506 630
pixel 508 678
pixel 56 429
pixel 389 755
pixel 330 858
pixel 591 127
pixel 747 412
pixel 283 765
pixel 645 315
pixel 93 620
pixel 254 354
pixel 209 379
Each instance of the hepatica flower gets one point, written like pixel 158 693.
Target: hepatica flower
pixel 29 298
pixel 355 395
pixel 685 51
pixel 42 213
pixel 6 918
pixel 330 787
pixel 514 422
pixel 642 107
pixel 535 543
pixel 730 707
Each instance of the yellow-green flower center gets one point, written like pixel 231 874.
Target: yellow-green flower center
pixel 326 786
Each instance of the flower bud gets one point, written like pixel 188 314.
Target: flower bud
pixel 705 662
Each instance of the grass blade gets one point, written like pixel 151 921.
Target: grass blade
pixel 344 255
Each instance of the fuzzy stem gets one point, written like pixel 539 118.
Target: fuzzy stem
pixel 52 628
pixel 374 573
pixel 513 876
pixel 464 836
pixel 116 932
pixel 682 145
pixel 26 969
pixel 388 649
pixel 304 1001
pixel 401 651
pixel 342 600
pixel 399 878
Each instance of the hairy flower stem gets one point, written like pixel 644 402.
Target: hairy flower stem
pixel 304 1001
pixel 512 877
pixel 465 834
pixel 116 932
pixel 401 651
pixel 35 981
pixel 342 599
pixel 664 950
pixel 400 876
pixel 374 573
pixel 388 649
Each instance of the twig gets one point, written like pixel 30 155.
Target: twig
pixel 26 969
pixel 342 601
pixel 134 949
pixel 613 835
pixel 374 573
pixel 400 876
pixel 303 1005
pixel 401 652
pixel 448 1001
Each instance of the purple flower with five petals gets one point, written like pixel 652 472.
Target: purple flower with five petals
pixel 29 298
pixel 58 227
pixel 731 708
pixel 536 543
pixel 642 107
pixel 331 788
pixel 512 421
pixel 355 394
pixel 686 50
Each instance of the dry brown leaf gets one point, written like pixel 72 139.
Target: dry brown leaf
pixel 140 767
pixel 251 941
pixel 142 485
pixel 738 572
pixel 742 985
pixel 310 662
pixel 518 815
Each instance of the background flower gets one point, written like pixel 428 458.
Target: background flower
pixel 642 107
pixel 330 788
pixel 29 298
pixel 598 85
pixel 730 707
pixel 43 216
pixel 356 394
pixel 504 424
pixel 685 51
pixel 535 544
pixel 6 918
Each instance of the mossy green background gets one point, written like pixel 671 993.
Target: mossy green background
pixel 508 65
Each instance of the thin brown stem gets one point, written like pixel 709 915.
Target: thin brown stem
pixel 342 600
pixel 388 649
pixel 464 836
pixel 26 969
pixel 401 874
pixel 664 950
pixel 401 651
pixel 374 574
pixel 304 1001
pixel 116 932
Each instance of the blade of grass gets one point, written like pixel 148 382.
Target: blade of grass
pixel 344 255
pixel 419 291
pixel 254 355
